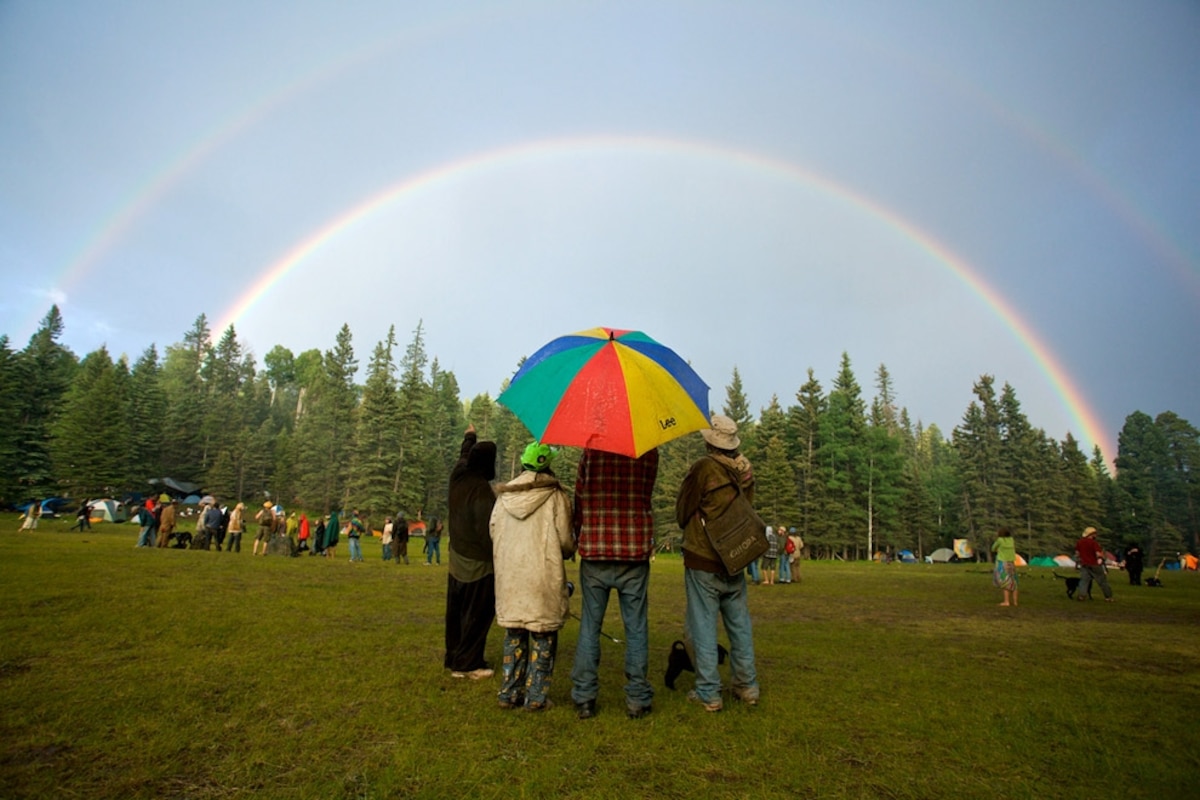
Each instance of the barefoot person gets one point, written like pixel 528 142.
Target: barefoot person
pixel 1005 574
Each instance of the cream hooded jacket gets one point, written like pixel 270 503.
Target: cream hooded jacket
pixel 531 535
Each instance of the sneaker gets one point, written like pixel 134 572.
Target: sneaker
pixel 545 705
pixel 508 705
pixel 709 705
pixel 475 674
pixel 586 709
pixel 747 696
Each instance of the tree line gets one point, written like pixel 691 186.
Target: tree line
pixel 853 476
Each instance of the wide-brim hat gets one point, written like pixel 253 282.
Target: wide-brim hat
pixel 1089 531
pixel 723 433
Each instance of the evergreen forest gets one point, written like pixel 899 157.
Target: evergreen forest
pixel 318 430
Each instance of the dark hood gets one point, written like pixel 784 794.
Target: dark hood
pixel 481 460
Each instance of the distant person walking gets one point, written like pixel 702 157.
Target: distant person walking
pixel 433 541
pixel 1091 566
pixel 400 538
pixel 386 539
pixel 32 514
pixel 1004 576
pixel 83 517
pixel 146 522
pixel 353 533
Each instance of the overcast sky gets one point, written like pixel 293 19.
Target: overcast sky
pixel 946 188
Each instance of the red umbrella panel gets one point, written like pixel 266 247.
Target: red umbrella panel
pixel 608 389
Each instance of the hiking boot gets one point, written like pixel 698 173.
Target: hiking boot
pixel 636 712
pixel 545 705
pixel 586 709
pixel 747 696
pixel 709 705
pixel 508 705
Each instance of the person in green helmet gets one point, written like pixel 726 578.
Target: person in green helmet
pixel 531 536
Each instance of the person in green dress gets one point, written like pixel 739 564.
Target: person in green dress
pixel 1005 574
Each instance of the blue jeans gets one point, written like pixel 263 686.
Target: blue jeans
pixel 144 537
pixel 387 552
pixel 631 580
pixel 785 568
pixel 752 568
pixel 709 594
pixel 355 549
pixel 433 548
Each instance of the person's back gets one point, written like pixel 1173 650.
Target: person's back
pixel 614 524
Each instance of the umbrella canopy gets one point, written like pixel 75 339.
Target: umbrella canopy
pixel 608 389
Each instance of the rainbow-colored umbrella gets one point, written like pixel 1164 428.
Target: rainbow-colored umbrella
pixel 608 389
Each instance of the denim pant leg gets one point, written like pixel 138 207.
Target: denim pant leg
pixel 1085 583
pixel 144 537
pixel 736 613
pixel 703 603
pixel 752 568
pixel 593 592
pixel 785 568
pixel 513 669
pixel 632 583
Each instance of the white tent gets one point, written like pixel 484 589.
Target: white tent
pixel 1064 561
pixel 942 554
pixel 108 511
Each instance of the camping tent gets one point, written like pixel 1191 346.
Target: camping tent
pixel 1042 561
pixel 1064 561
pixel 1020 562
pixel 107 511
pixel 1189 561
pixel 907 557
pixel 942 554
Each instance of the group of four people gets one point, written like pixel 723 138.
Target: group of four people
pixel 507 557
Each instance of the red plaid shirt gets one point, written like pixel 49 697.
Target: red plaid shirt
pixel 613 512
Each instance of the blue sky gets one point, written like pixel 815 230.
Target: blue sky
pixel 949 189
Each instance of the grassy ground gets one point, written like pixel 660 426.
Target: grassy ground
pixel 168 673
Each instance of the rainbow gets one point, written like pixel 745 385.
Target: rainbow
pixel 1060 380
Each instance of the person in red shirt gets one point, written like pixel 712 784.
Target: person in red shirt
pixel 1091 566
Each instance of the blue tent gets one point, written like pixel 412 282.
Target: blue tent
pixel 907 557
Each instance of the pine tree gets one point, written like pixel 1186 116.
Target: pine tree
pixel 737 408
pixel 182 434
pixel 325 429
pixel 10 424
pixel 804 422
pixel 414 458
pixel 45 370
pixel 842 459
pixel 147 408
pixel 978 442
pixel 377 445
pixel 884 468
pixel 88 449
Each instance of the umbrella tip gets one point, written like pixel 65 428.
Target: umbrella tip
pixel 612 335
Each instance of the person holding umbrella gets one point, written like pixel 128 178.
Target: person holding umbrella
pixel 711 485
pixel 614 524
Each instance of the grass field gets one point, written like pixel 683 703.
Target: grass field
pixel 168 673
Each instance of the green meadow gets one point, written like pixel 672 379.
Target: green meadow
pixel 130 673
